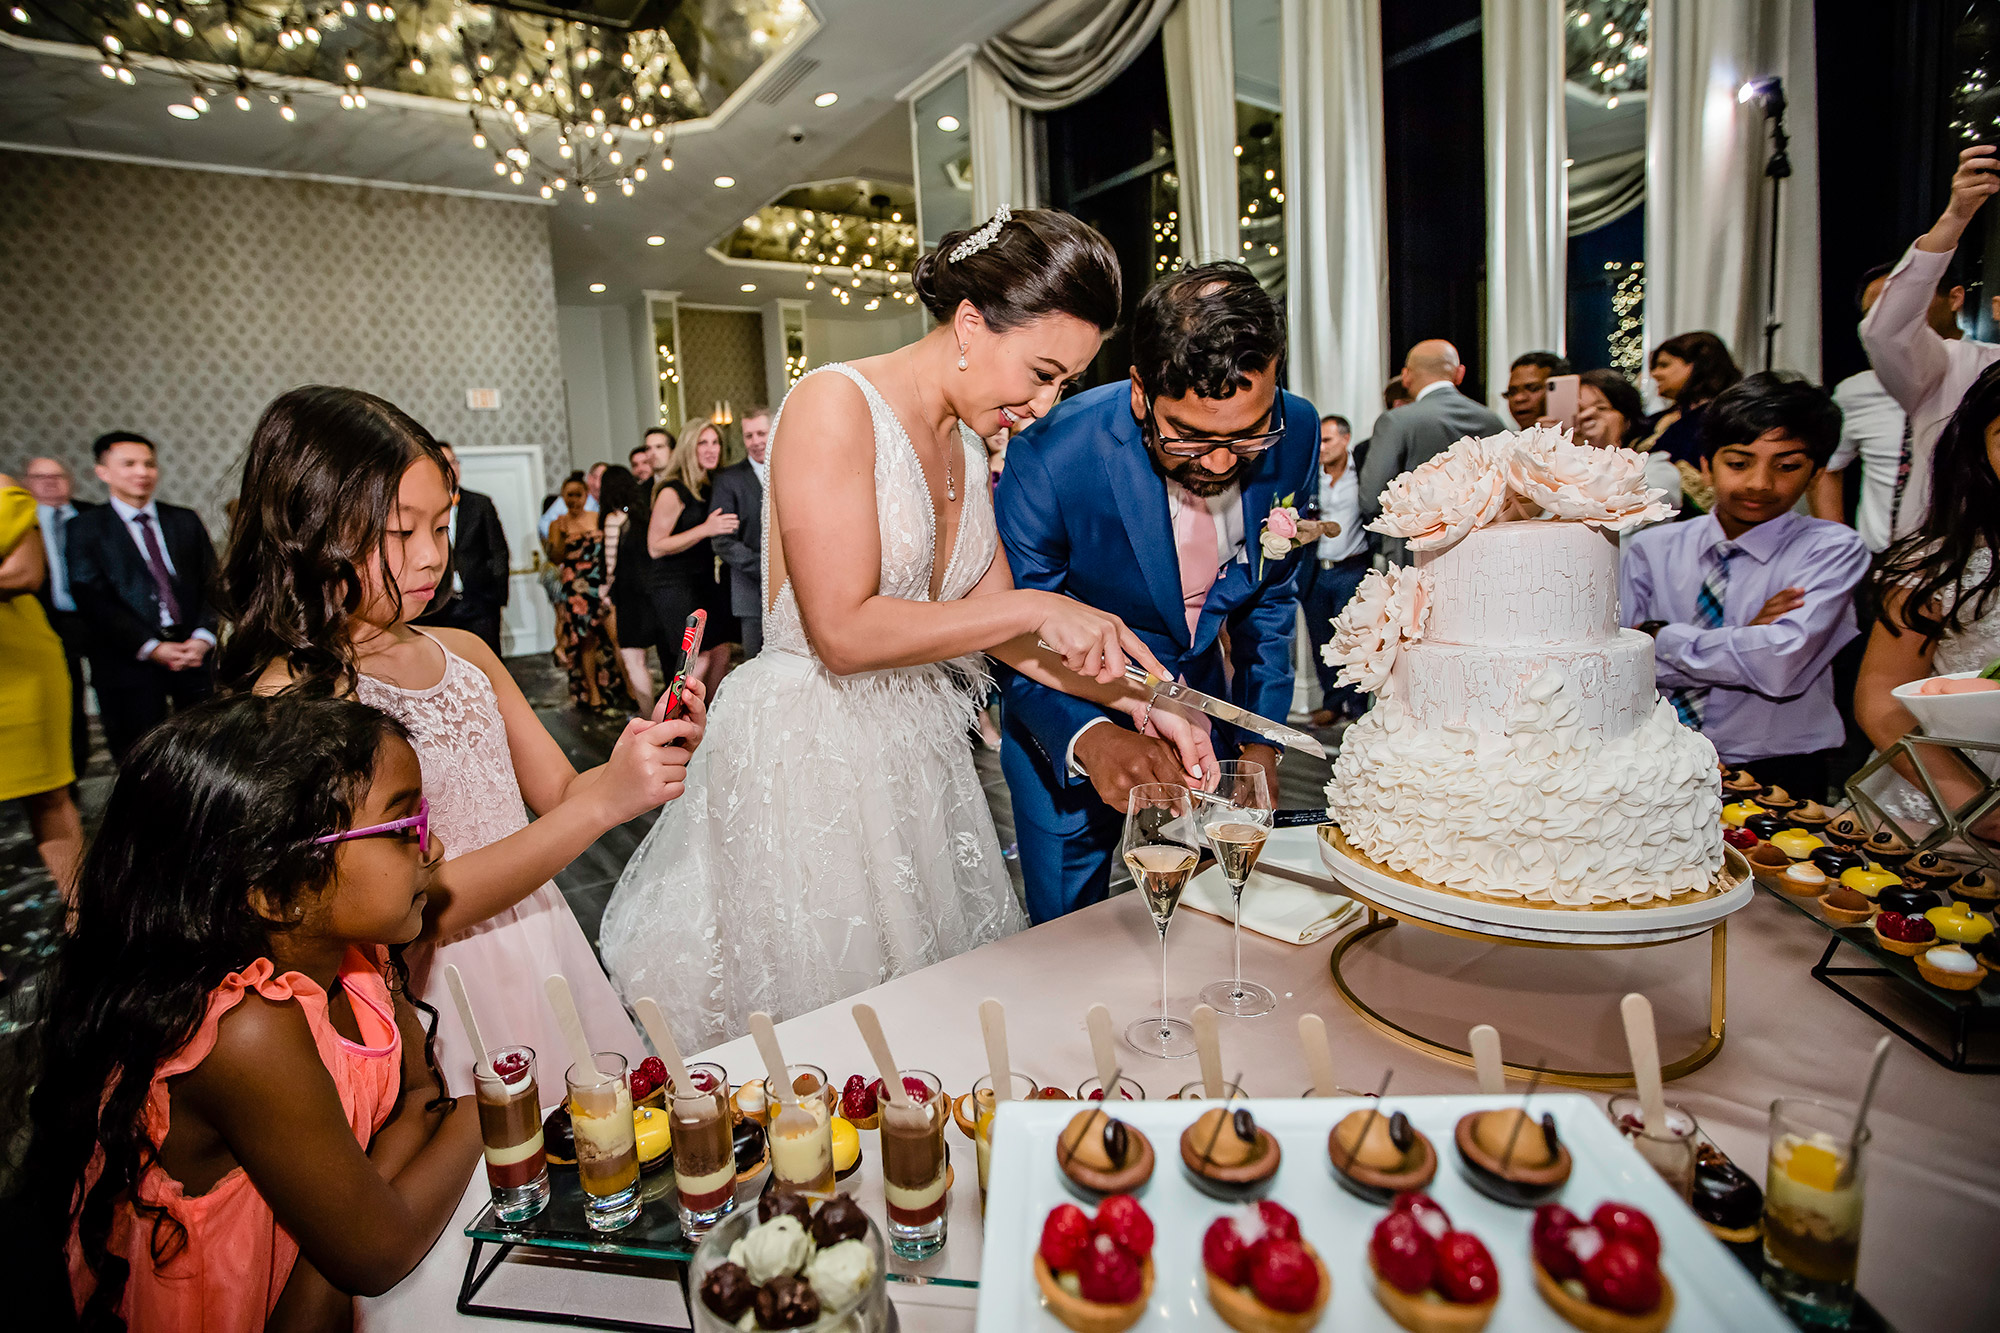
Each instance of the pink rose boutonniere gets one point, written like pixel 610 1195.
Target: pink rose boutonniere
pixel 1284 532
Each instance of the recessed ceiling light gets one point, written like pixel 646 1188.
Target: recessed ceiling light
pixel 181 111
pixel 747 287
pixel 725 182
pixel 656 240
pixel 949 124
pixel 826 99
pixel 597 286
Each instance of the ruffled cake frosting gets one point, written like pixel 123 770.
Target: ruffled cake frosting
pixel 1543 810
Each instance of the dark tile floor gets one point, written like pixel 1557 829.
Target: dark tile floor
pixel 29 906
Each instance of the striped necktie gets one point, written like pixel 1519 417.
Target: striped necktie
pixel 1692 704
pixel 1902 480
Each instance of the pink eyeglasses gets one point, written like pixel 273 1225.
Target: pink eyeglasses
pixel 420 821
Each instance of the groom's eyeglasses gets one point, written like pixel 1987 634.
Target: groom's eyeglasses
pixel 1243 446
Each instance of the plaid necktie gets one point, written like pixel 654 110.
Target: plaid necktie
pixel 1691 704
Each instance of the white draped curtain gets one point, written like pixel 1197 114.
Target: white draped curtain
pixel 1049 71
pixel 1336 220
pixel 1527 231
pixel 1003 168
pixel 1201 104
pixel 1708 218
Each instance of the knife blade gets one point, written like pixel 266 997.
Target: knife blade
pixel 1172 691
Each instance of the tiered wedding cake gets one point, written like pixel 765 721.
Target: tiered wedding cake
pixel 1518 748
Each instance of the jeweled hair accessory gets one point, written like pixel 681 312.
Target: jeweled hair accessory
pixel 982 238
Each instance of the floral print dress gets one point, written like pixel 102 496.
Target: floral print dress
pixel 584 645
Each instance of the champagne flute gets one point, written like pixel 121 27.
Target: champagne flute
pixel 1236 819
pixel 1161 851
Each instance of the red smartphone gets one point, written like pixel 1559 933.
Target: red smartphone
pixel 671 703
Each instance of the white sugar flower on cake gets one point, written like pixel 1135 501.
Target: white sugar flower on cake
pixel 1440 501
pixel 1603 487
pixel 1386 614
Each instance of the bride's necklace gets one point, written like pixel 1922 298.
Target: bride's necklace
pixel 950 487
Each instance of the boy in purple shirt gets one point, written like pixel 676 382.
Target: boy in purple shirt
pixel 1748 605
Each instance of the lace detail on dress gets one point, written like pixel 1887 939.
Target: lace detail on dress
pixel 1969 651
pixel 834 834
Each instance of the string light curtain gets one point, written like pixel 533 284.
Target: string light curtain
pixel 1707 199
pixel 1336 217
pixel 1527 235
pixel 1199 47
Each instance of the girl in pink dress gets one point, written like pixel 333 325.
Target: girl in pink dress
pixel 341 538
pixel 237 1121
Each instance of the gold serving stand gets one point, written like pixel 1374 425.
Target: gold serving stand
pixel 1384 917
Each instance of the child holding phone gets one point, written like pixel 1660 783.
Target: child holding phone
pixel 340 539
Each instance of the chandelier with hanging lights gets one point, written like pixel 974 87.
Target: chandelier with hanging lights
pixel 1605 47
pixel 561 105
pixel 853 236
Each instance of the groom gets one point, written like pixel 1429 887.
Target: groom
pixel 1146 498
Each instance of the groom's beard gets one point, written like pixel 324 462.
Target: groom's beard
pixel 1192 477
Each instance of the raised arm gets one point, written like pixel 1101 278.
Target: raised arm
pixel 1906 352
pixel 828 542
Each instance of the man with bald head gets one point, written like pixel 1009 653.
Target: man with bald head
pixel 1436 418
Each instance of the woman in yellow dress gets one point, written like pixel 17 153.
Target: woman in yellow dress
pixel 35 761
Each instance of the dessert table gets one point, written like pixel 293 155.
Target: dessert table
pixel 1934 1184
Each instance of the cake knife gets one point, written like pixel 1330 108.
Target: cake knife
pixel 1172 691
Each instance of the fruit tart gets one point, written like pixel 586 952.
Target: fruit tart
pixel 1377 1156
pixel 1099 1156
pixel 1512 1158
pixel 1603 1276
pixel 1228 1155
pixel 861 1102
pixel 1430 1278
pixel 1263 1277
pixel 649 1083
pixel 1096 1274
pixel 1906 935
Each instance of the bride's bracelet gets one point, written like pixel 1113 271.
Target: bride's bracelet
pixel 1146 719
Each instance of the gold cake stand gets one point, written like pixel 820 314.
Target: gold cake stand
pixel 1387 910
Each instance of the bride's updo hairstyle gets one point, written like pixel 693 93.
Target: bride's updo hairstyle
pixel 1042 262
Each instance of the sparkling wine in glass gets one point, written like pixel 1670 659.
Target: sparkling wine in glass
pixel 1236 819
pixel 1161 848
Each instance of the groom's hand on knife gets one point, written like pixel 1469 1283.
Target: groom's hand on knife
pixel 1117 760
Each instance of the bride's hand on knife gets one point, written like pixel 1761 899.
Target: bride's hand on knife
pixel 1091 642
pixel 1190 739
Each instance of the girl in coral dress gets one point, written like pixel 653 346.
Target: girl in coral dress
pixel 340 539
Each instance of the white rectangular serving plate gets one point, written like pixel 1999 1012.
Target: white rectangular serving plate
pixel 1711 1289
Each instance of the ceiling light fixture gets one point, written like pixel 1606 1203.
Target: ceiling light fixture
pixel 826 99
pixel 597 286
pixel 949 124
pixel 181 111
pixel 747 287
pixel 656 240
pixel 725 182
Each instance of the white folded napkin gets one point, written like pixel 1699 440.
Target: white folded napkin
pixel 1283 909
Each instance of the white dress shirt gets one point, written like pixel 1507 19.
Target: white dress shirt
pixel 1435 386
pixel 1926 374
pixel 1340 502
pixel 763 471
pixel 1871 431
pixel 129 517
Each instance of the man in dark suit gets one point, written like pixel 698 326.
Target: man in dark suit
pixel 479 563
pixel 1437 418
pixel 50 481
pixel 1147 498
pixel 143 576
pixel 739 490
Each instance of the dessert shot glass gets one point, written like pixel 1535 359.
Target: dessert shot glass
pixel 1670 1149
pixel 607 1153
pixel 1092 1090
pixel 1813 1190
pixel 510 1130
pixel 1198 1091
pixel 1021 1088
pixel 801 1133
pixel 914 1170
pixel 704 1148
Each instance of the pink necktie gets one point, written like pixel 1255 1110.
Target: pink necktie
pixel 1194 540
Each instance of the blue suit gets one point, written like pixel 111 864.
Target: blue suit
pixel 1082 512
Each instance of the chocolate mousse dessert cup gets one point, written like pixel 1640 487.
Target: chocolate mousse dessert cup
pixel 704 1135
pixel 984 1108
pixel 510 1129
pixel 607 1150
pixel 801 1134
pixel 914 1167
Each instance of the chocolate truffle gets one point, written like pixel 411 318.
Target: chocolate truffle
pixel 727 1291
pixel 839 1218
pixel 1765 825
pixel 786 1203
pixel 787 1302
pixel 1834 860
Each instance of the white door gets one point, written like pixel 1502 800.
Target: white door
pixel 511 475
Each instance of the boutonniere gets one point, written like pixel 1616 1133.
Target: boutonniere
pixel 1284 532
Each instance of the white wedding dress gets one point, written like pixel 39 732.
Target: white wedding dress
pixel 834 834
pixel 1970 650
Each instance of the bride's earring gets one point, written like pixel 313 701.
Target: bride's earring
pixel 961 356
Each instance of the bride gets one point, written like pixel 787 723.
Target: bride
pixel 835 834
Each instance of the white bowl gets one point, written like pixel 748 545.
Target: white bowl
pixel 1963 717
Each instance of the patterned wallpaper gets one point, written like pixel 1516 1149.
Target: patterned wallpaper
pixel 178 303
pixel 722 357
